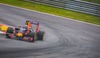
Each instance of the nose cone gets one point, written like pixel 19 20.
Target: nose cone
pixel 3 27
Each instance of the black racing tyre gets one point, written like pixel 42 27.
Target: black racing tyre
pixel 31 36
pixel 10 30
pixel 40 35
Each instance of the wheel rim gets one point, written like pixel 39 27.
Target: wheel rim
pixel 11 35
pixel 31 39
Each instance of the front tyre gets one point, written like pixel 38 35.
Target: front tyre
pixel 9 32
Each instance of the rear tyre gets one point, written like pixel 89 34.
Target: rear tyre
pixel 9 31
pixel 31 36
pixel 40 35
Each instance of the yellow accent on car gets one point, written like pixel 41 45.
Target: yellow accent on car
pixel 3 27
pixel 19 34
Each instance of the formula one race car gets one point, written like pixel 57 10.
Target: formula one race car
pixel 25 32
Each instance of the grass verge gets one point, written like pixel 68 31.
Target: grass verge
pixel 55 11
pixel 93 1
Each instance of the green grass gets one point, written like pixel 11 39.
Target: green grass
pixel 94 1
pixel 55 11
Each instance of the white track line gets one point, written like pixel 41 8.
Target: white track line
pixel 2 32
pixel 48 14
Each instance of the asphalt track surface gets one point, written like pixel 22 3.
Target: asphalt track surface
pixel 64 38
